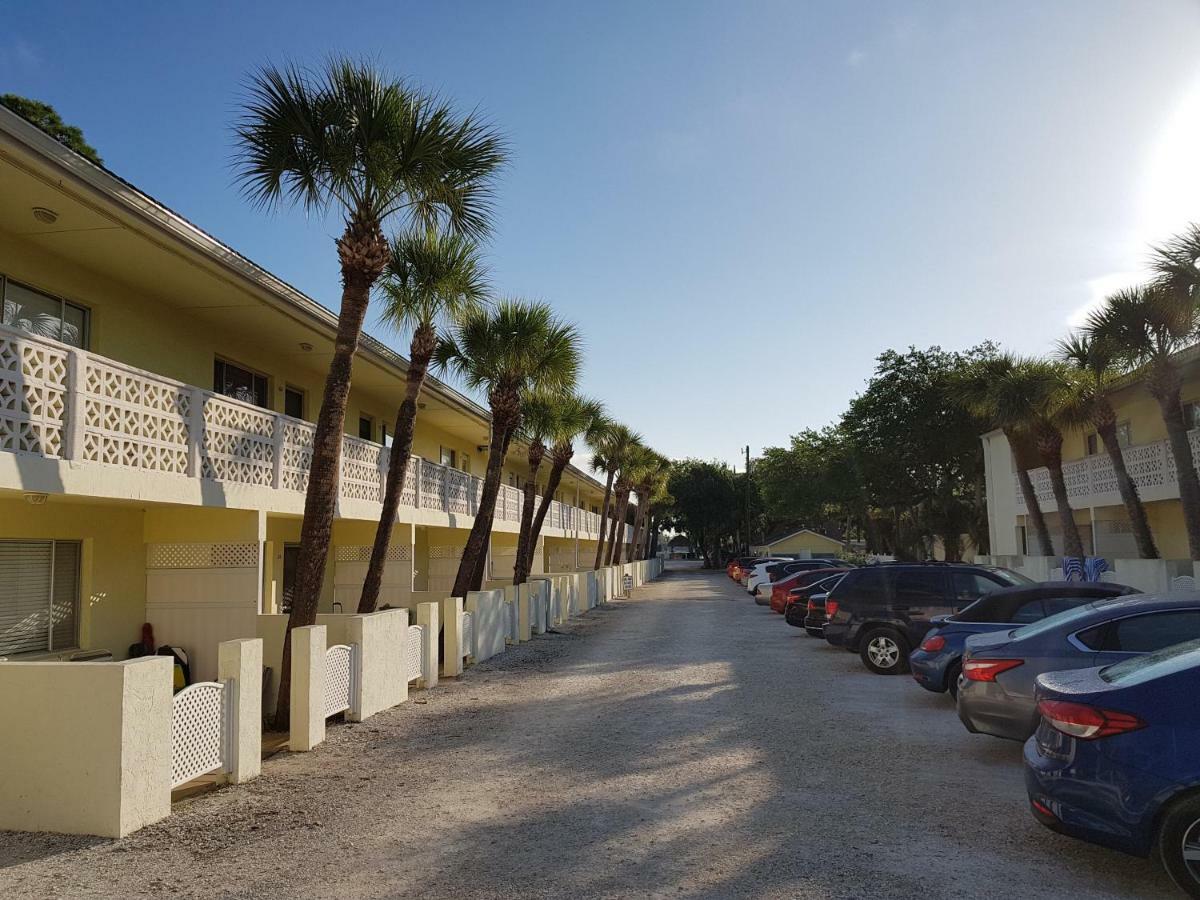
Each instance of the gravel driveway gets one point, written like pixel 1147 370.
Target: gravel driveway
pixel 686 743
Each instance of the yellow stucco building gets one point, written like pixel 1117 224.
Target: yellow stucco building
pixel 156 395
pixel 800 542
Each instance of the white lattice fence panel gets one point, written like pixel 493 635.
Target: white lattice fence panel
pixel 33 401
pixel 408 494
pixel 433 484
pixel 468 635
pixel 239 442
pixel 446 552
pixel 414 652
pixel 1149 465
pixel 459 490
pixel 395 553
pixel 132 420
pixel 1077 476
pixel 201 556
pixel 339 678
pixel 364 464
pixel 297 454
pixel 1104 477
pixel 198 723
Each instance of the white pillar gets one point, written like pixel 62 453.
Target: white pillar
pixel 239 667
pixel 308 688
pixel 452 623
pixel 428 617
pixel 379 639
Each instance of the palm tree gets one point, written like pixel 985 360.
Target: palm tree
pixel 537 426
pixel 432 278
pixel 648 476
pixel 348 139
pixel 1094 365
pixel 573 415
pixel 1145 327
pixel 1034 393
pixel 611 446
pixel 510 350
pixel 627 476
pixel 977 390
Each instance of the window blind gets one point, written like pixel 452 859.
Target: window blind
pixel 39 586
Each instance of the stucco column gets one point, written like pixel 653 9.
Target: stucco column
pixel 429 618
pixel 308 688
pixel 239 666
pixel 379 639
pixel 452 614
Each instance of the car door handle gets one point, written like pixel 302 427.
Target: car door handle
pixel 901 608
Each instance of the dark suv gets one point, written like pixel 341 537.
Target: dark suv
pixel 882 612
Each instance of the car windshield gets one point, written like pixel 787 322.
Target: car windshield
pixel 1166 661
pixel 1010 576
pixel 1051 623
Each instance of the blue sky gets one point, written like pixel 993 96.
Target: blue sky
pixel 733 200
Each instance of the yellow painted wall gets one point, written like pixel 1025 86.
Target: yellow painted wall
pixel 814 543
pixel 112 594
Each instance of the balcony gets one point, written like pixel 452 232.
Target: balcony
pixel 1091 481
pixel 73 422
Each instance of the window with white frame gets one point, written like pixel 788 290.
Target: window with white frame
pixel 44 314
pixel 39 596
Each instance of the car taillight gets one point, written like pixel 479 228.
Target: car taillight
pixel 988 669
pixel 831 608
pixel 933 644
pixel 811 606
pixel 1086 722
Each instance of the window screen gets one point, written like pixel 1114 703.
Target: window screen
pixel 39 596
pixel 234 381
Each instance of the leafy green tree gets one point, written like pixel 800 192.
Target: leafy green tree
pixel 704 505
pixel 45 117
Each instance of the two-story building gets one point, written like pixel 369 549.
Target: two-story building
pixel 156 397
pixel 1091 486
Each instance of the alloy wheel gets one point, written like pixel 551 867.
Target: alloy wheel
pixel 883 652
pixel 1191 850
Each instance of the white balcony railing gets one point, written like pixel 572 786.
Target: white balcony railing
pixel 58 402
pixel 1091 481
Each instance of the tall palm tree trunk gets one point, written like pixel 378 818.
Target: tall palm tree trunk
pixel 1185 466
pixel 1033 511
pixel 603 521
pixel 552 483
pixel 520 570
pixel 618 550
pixel 1129 492
pixel 363 252
pixel 638 522
pixel 1050 448
pixel 424 339
pixel 611 550
pixel 470 569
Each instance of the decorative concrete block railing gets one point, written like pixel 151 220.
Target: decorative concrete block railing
pixel 74 405
pixel 105 760
pixel 1091 481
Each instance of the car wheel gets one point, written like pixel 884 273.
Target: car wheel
pixel 1179 844
pixel 952 674
pixel 884 652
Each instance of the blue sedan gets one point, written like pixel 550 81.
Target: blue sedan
pixel 937 663
pixel 1116 757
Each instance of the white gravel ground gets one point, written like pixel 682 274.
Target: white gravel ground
pixel 676 745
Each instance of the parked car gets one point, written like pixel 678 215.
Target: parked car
pixel 1116 757
pixel 999 671
pixel 757 569
pixel 781 591
pixel 806 606
pixel 738 563
pixel 882 612
pixel 764 576
pixel 936 663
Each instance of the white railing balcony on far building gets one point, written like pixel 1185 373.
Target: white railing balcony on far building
pixel 1091 481
pixel 61 403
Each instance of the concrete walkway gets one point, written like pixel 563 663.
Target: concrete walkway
pixel 684 744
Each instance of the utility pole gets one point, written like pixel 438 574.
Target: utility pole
pixel 747 498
